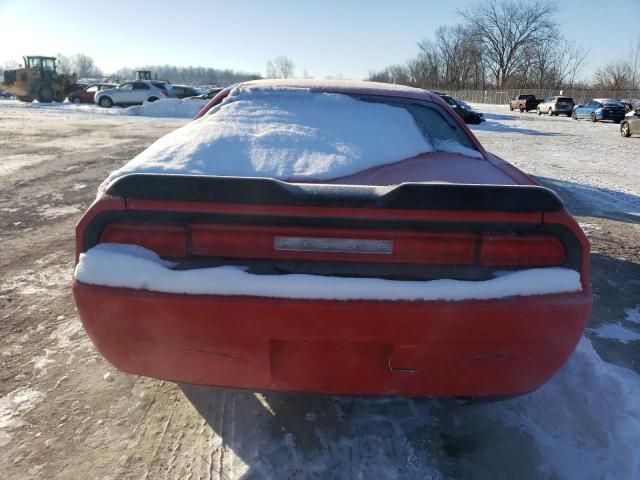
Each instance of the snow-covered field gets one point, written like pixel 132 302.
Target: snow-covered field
pixel 167 108
pixel 589 159
pixel 66 413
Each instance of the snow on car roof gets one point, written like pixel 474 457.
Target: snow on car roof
pixel 288 133
pixel 607 100
pixel 343 86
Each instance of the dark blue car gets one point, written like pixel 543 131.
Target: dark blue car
pixel 600 109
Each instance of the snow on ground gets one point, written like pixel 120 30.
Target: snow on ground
pixel 20 161
pixel 41 281
pixel 616 331
pixel 584 424
pixel 633 314
pixel 12 407
pixel 164 108
pixel 131 266
pixel 169 107
pixel 590 160
pixel 586 421
pixel 589 227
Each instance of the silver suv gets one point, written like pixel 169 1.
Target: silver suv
pixel 130 93
pixel 556 105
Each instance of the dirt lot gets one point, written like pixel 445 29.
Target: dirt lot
pixel 65 413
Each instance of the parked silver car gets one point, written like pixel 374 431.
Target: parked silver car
pixel 556 105
pixel 130 93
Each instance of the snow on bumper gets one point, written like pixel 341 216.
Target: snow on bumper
pixel 496 346
pixel 130 266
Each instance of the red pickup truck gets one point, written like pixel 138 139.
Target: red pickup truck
pixel 524 103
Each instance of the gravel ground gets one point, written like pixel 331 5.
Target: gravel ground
pixel 65 413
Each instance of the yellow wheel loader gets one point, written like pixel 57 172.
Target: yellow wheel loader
pixel 38 79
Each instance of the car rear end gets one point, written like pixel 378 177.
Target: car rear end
pixel 449 273
pixel 562 105
pixel 164 87
pixel 530 102
pixel 613 111
pixel 366 342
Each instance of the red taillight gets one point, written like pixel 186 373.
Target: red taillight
pixel 400 247
pixel 165 92
pixel 512 251
pixel 289 243
pixel 166 241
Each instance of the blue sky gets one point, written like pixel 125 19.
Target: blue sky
pixel 322 38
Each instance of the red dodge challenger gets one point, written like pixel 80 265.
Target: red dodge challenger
pixel 336 237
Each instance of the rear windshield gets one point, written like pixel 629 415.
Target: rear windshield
pixel 435 124
pixel 565 99
pixel 304 108
pixel 449 100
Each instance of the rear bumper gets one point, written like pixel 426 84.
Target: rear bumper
pixel 610 116
pixel 416 348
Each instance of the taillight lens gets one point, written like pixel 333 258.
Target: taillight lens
pixel 166 241
pixel 516 251
pixel 286 243
pixel 267 242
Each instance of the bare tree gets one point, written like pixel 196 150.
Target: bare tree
pixel 453 60
pixel 623 73
pixel 547 63
pixel 430 63
pixel 421 73
pixel 458 53
pixel 503 43
pixel 615 75
pixel 634 64
pixel 505 28
pixel 380 76
pixel 64 64
pixel 190 75
pixel 11 65
pixel 398 74
pixel 280 67
pixel 84 66
pixel 576 59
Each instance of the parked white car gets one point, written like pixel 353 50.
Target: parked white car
pixel 130 93
pixel 556 105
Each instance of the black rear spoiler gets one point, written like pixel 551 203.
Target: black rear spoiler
pixel 411 196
